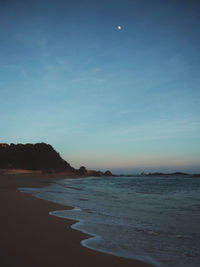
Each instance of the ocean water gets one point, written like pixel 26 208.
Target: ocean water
pixel 155 219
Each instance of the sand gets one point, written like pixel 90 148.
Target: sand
pixel 29 236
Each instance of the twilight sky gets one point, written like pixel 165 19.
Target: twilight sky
pixel 126 100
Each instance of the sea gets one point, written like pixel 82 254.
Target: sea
pixel 155 219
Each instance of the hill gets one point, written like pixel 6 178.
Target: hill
pixel 38 156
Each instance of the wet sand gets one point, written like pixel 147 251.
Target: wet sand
pixel 29 236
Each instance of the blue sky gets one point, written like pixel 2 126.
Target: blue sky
pixel 126 100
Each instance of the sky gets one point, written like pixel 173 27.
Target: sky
pixel 124 99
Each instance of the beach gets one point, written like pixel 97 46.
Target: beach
pixel 29 236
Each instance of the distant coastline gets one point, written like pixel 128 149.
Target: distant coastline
pixel 164 174
pixel 171 174
pixel 143 174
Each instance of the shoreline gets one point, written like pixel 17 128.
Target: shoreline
pixel 30 236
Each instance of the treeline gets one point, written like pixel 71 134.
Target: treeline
pixel 38 156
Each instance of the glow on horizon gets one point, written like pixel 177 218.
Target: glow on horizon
pixel 135 164
pixel 149 158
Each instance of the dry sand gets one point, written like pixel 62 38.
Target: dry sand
pixel 29 236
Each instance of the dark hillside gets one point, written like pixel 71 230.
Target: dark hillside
pixel 38 156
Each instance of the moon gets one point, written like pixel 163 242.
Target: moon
pixel 119 27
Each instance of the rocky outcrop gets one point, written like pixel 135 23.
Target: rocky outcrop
pixel 99 173
pixel 82 171
pixel 108 173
